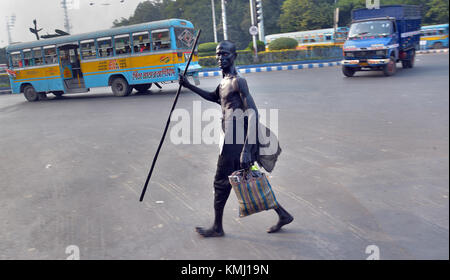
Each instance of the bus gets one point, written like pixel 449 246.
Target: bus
pixel 124 58
pixel 314 38
pixel 3 68
pixel 434 36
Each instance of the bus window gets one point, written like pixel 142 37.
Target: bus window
pixel 161 39
pixel 88 50
pixel 105 47
pixel 122 44
pixel 441 32
pixel 328 38
pixel 16 59
pixel 27 58
pixel 141 42
pixel 185 38
pixel 38 60
pixel 50 55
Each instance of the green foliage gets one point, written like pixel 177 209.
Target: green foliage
pixel 260 46
pixel 283 44
pixel 279 15
pixel 207 47
pixel 433 11
pixel 436 12
pixel 300 15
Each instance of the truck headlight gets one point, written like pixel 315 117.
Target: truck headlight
pixel 349 54
pixel 381 53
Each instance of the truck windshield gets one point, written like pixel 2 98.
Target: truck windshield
pixel 371 28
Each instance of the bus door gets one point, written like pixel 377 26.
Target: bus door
pixel 69 59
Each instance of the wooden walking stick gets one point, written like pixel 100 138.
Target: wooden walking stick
pixel 168 120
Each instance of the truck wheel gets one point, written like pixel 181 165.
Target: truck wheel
pixel 348 71
pixel 390 68
pixel 30 94
pixel 142 88
pixel 120 87
pixel 410 62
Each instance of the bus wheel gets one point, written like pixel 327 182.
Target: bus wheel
pixel 390 68
pixel 120 87
pixel 143 88
pixel 348 71
pixel 30 94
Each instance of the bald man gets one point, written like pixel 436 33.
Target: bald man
pixel 232 94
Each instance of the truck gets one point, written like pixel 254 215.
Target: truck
pixel 380 38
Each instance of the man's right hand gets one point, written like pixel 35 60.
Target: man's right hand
pixel 183 81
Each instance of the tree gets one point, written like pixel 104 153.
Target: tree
pixel 272 12
pixel 145 11
pixel 437 12
pixel 433 11
pixel 199 13
pixel 300 15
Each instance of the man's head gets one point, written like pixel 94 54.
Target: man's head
pixel 226 54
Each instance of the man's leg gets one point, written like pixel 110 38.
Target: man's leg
pixel 222 188
pixel 284 218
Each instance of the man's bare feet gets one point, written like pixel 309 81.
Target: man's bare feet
pixel 209 232
pixel 281 222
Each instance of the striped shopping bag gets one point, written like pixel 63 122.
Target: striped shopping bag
pixel 253 192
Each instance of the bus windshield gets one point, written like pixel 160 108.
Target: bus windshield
pixel 371 28
pixel 185 38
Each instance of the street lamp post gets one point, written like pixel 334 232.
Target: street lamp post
pixel 224 21
pixel 214 20
pixel 9 25
pixel 252 15
pixel 336 17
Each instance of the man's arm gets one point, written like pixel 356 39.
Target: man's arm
pixel 251 140
pixel 210 96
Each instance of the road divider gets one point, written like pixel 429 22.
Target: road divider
pixel 433 51
pixel 270 68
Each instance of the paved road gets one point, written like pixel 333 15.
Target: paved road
pixel 365 162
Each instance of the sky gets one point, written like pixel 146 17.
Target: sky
pixel 50 16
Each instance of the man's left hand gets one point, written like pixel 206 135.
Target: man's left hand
pixel 246 160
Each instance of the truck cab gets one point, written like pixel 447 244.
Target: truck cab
pixel 380 38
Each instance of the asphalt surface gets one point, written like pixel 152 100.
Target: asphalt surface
pixel 365 162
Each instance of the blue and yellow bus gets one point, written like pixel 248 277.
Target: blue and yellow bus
pixel 434 36
pixel 314 38
pixel 125 58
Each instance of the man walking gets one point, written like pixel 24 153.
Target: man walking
pixel 232 94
